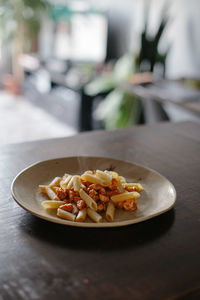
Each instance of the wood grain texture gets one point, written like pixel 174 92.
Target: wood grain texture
pixel 156 259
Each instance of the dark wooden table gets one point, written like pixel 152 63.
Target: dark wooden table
pixel 155 259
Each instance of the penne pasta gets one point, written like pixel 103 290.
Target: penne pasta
pixel 75 209
pixel 113 174
pixel 70 183
pixel 43 188
pixel 94 216
pixel 122 179
pixel 64 182
pixel 107 178
pixel 65 215
pixel 88 172
pixel 51 204
pixel 125 196
pixel 110 212
pixel 55 188
pixel 81 215
pixel 92 178
pixel 51 194
pixel 89 201
pixel 138 186
pixel 120 187
pixel 94 194
pixel 76 183
pixel 55 182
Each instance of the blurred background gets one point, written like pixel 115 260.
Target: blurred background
pixel 74 66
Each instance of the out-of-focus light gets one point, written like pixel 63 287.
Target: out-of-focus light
pixel 29 62
pixel 79 6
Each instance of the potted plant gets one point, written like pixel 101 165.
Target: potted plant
pixel 119 109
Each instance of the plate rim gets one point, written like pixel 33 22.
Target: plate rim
pixel 92 224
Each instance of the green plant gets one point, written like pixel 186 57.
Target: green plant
pixel 149 52
pixel 120 109
pixel 14 12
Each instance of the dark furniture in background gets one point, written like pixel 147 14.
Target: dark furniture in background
pixel 74 107
pixel 173 93
pixel 68 104
pixel 156 259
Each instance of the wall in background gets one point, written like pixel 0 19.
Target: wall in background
pixel 181 34
pixel 184 58
pixel 126 20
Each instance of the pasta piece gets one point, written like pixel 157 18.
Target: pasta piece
pixel 55 182
pixel 43 188
pixel 92 178
pixel 88 172
pixel 112 173
pixel 65 175
pixel 76 183
pixel 51 194
pixel 138 186
pixel 120 187
pixel 83 186
pixel 122 179
pixel 124 196
pixel 56 189
pixel 65 215
pixel 88 200
pixel 81 215
pixel 94 216
pixel 107 178
pixel 75 209
pixel 110 212
pixel 70 183
pixel 64 182
pixel 51 204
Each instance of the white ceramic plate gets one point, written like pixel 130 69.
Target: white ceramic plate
pixel 159 194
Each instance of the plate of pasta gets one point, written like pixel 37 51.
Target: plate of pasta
pixel 92 191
